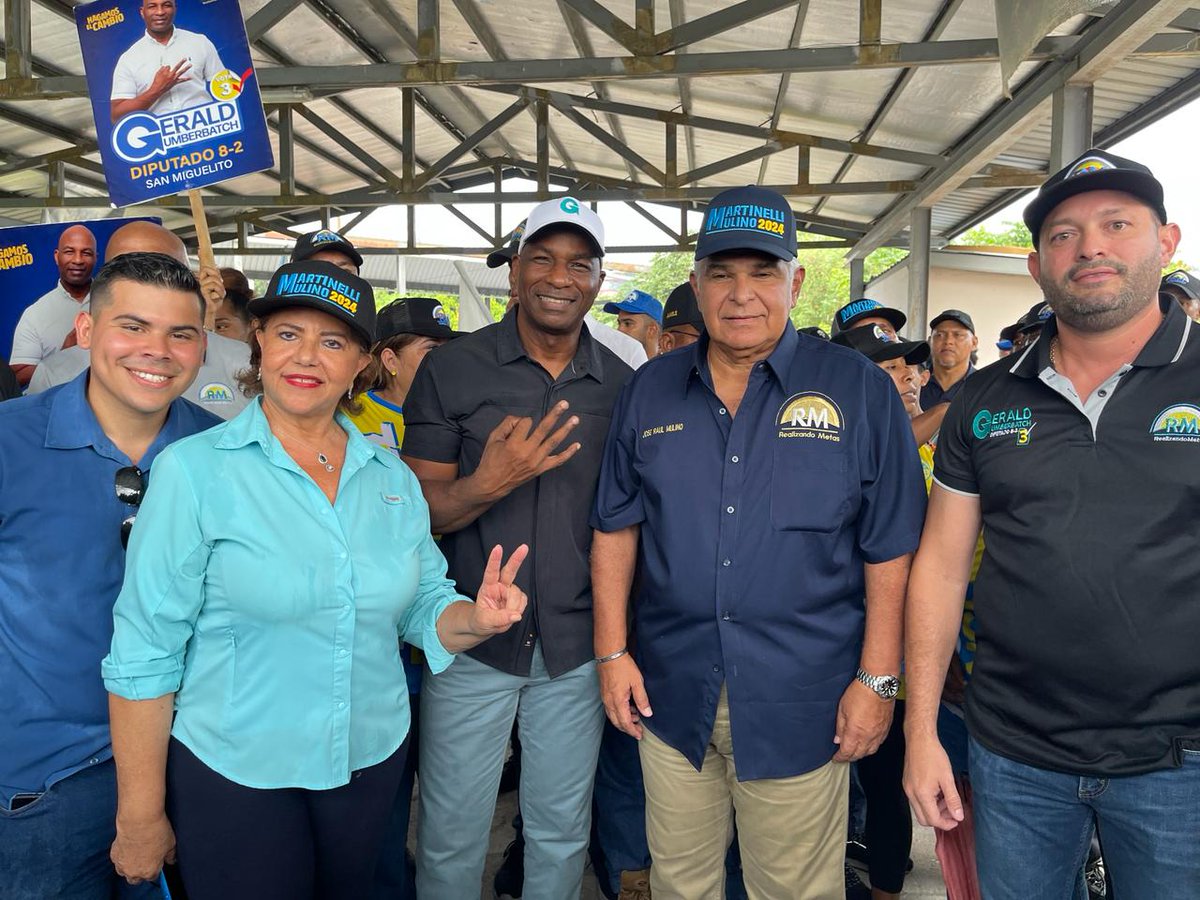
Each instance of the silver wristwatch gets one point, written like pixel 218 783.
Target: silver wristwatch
pixel 886 686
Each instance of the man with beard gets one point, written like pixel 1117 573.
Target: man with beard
pixel 1078 458
pixel 46 323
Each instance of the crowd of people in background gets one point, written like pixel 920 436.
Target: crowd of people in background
pixel 747 599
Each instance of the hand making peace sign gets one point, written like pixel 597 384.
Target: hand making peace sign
pixel 499 604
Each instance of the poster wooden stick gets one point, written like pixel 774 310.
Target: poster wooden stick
pixel 204 248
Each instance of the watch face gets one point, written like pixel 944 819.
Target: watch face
pixel 889 687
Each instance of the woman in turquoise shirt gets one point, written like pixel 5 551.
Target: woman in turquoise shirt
pixel 270 571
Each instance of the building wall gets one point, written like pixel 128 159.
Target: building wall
pixel 991 300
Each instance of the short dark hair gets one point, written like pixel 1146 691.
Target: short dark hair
pixel 150 269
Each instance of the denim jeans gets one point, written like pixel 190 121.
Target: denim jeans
pixel 1033 827
pixel 56 848
pixel 619 806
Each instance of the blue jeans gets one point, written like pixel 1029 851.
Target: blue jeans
pixel 56 848
pixel 620 806
pixel 1033 827
pixel 467 714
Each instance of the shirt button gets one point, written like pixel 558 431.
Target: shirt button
pixel 716 668
pixel 93 761
pixel 343 651
pixel 1102 392
pixel 721 410
pixel 727 562
pixel 729 509
pixel 726 617
pixel 733 459
pixel 342 704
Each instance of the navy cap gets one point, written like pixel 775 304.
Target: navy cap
pixel 878 346
pixel 953 315
pixel 637 302
pixel 414 315
pixel 1035 318
pixel 322 286
pixel 857 310
pixel 1188 284
pixel 814 331
pixel 503 256
pixel 682 308
pixel 316 241
pixel 748 218
pixel 1096 170
pixel 1008 332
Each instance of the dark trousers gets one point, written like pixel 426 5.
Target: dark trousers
pixel 395 878
pixel 889 819
pixel 240 843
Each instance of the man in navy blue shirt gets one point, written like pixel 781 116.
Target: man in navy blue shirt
pixel 761 502
pixel 73 464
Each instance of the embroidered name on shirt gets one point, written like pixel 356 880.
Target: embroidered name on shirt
pixel 662 429
pixel 810 415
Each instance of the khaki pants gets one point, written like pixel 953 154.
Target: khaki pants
pixel 791 831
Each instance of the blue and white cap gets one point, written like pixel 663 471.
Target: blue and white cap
pixel 564 211
pixel 1183 281
pixel 324 287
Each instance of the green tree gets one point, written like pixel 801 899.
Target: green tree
pixel 1011 234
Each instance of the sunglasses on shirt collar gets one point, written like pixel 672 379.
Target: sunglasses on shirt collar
pixel 130 486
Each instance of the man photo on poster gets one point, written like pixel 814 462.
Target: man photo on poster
pixel 167 69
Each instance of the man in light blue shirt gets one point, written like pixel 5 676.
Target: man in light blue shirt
pixel 72 462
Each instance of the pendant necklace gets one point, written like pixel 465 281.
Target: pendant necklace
pixel 324 460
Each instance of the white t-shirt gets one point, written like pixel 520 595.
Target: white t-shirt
pixel 45 325
pixel 631 351
pixel 215 387
pixel 136 68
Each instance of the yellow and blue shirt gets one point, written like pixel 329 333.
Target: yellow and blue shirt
pixel 380 422
pixel 273 613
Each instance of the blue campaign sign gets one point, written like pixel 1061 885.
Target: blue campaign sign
pixel 173 93
pixel 28 269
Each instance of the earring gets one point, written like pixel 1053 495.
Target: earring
pixel 350 392
pixel 392 372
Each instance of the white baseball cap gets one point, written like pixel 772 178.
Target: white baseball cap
pixel 564 211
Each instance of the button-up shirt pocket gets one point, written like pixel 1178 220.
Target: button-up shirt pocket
pixel 809 486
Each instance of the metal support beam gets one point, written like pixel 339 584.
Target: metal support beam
pixel 268 17
pixel 654 220
pixel 1070 123
pixel 918 270
pixel 1101 46
pixel 858 286
pixel 609 23
pixel 287 152
pixel 622 150
pixel 870 21
pixel 542 145
pixel 57 181
pixel 429 42
pixel 335 135
pixel 671 155
pixel 470 142
pixel 407 136
pixel 785 82
pixel 731 16
pixel 18 57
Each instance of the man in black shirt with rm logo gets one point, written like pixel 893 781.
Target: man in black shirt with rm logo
pixel 1079 457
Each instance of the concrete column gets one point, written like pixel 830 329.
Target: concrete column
pixel 1070 124
pixel 918 272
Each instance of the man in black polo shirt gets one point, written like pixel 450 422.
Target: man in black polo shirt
pixel 952 340
pixel 504 428
pixel 1079 458
pixel 770 518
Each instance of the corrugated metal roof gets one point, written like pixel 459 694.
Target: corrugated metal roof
pixel 939 107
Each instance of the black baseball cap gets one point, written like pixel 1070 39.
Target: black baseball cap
pixel 1035 318
pixel 953 315
pixel 748 218
pixel 316 241
pixel 1182 281
pixel 1008 332
pixel 503 256
pixel 857 310
pixel 682 309
pixel 322 286
pixel 814 331
pixel 878 346
pixel 1096 170
pixel 414 315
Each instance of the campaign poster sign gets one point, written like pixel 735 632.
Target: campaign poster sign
pixel 28 269
pixel 173 93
